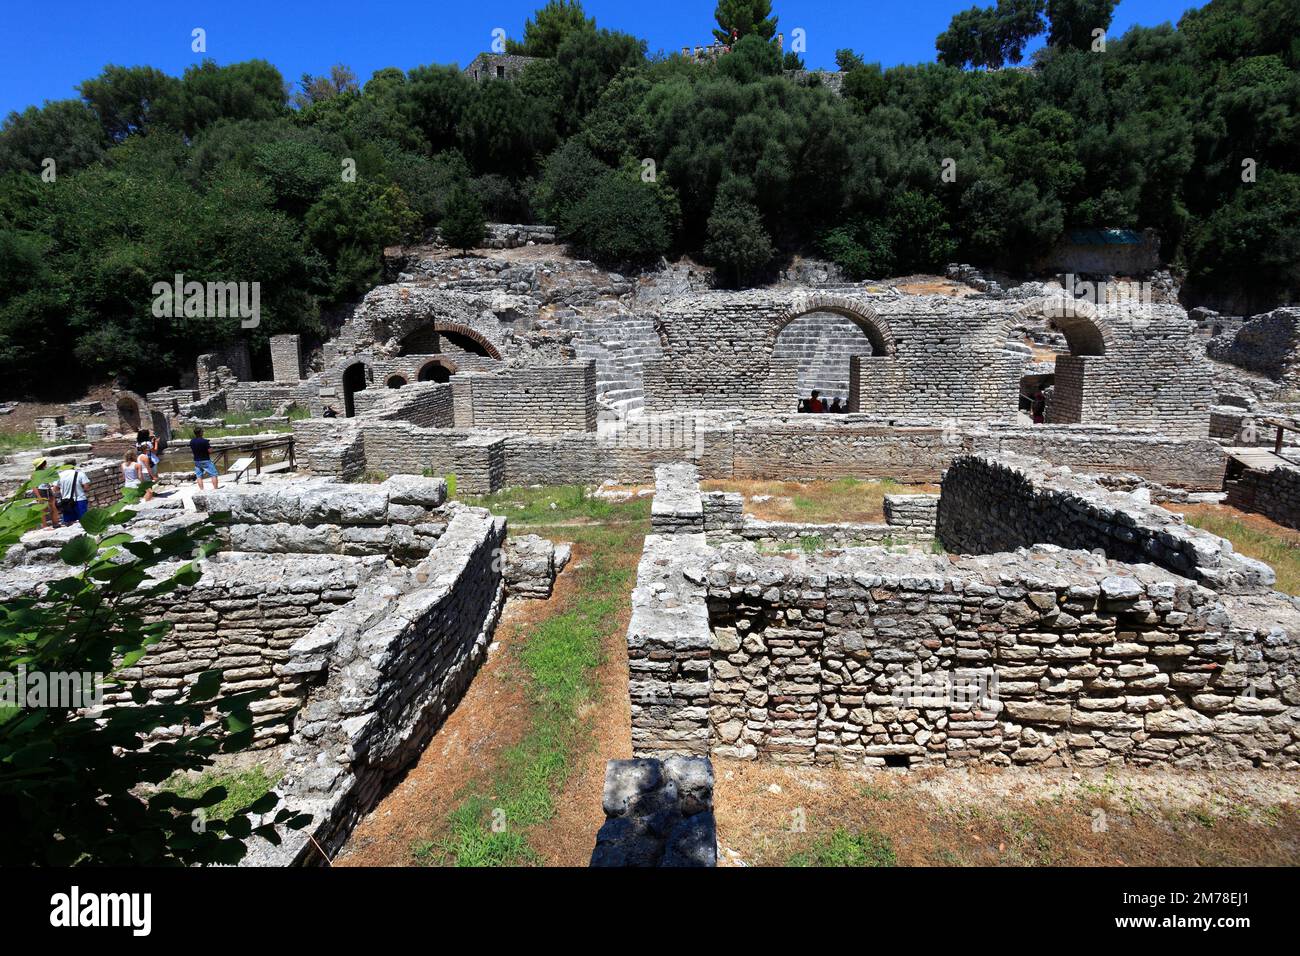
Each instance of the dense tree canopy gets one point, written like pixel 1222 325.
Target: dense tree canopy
pixel 1192 130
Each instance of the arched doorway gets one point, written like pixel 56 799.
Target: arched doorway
pixel 354 380
pixel 436 370
pixel 821 345
pixel 819 335
pixel 395 381
pixel 1064 390
pixel 128 415
pixel 439 337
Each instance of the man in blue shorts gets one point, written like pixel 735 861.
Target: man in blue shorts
pixel 201 448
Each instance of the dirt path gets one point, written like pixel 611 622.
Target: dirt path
pixel 492 716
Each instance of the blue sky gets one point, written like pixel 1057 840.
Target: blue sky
pixel 46 49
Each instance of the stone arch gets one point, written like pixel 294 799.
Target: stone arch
pixel 436 370
pixel 130 413
pixel 354 378
pixel 877 330
pixel 1086 331
pixel 478 342
pixel 396 381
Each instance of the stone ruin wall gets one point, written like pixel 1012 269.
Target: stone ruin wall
pixel 361 612
pixel 1267 343
pixel 936 357
pixel 1274 494
pixel 1041 657
pixel 990 505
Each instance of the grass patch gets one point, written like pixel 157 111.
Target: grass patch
pixel 845 848
pixel 557 658
pixel 19 441
pixel 1280 550
pixel 243 787
pixel 559 504
pixel 845 500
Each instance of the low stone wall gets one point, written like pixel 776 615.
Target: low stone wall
pixel 242 618
pixel 657 813
pixel 1041 657
pixel 677 506
pixel 1000 504
pixel 382 675
pixel 1274 494
pixel 918 513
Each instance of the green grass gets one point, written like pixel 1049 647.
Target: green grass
pixel 558 660
pixel 559 504
pixel 242 788
pixel 842 848
pixel 19 441
pixel 1280 553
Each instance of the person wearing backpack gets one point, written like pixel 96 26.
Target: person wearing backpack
pixel 73 497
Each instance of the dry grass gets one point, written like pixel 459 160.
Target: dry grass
pixel 846 500
pixel 1254 536
pixel 769 815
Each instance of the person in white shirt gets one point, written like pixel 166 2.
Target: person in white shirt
pixel 73 500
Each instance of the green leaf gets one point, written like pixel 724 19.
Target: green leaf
pixel 79 550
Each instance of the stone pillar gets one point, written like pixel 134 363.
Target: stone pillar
pixel 286 358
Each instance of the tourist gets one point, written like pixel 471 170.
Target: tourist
pixel 1037 406
pixel 73 494
pixel 135 465
pixel 331 412
pixel 202 451
pixel 815 404
pixel 836 408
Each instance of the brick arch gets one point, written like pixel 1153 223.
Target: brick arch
pixel 456 328
pixel 1086 329
pixel 876 329
pixel 441 362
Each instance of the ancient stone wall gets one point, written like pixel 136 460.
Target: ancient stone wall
pixel 935 356
pixel 286 358
pixel 534 399
pixel 382 675
pixel 1000 504
pixel 657 813
pixel 1274 494
pixel 1040 657
pixel 1268 343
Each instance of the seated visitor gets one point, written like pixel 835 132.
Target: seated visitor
pixel 836 407
pixel 815 404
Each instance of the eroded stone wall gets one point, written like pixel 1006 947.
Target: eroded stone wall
pixel 1000 504
pixel 1040 657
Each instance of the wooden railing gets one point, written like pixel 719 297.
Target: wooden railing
pixel 257 449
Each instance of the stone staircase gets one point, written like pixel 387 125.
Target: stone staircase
pixel 620 345
pixel 822 342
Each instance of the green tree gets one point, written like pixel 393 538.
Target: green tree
pixel 622 220
pixel 125 98
pixel 66 131
pixel 80 788
pixel 550 26
pixel 350 225
pixel 1071 22
pixel 463 226
pixel 737 245
pixel 991 36
pixel 742 18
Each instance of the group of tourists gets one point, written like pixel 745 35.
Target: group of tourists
pixel 67 499
pixel 817 405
